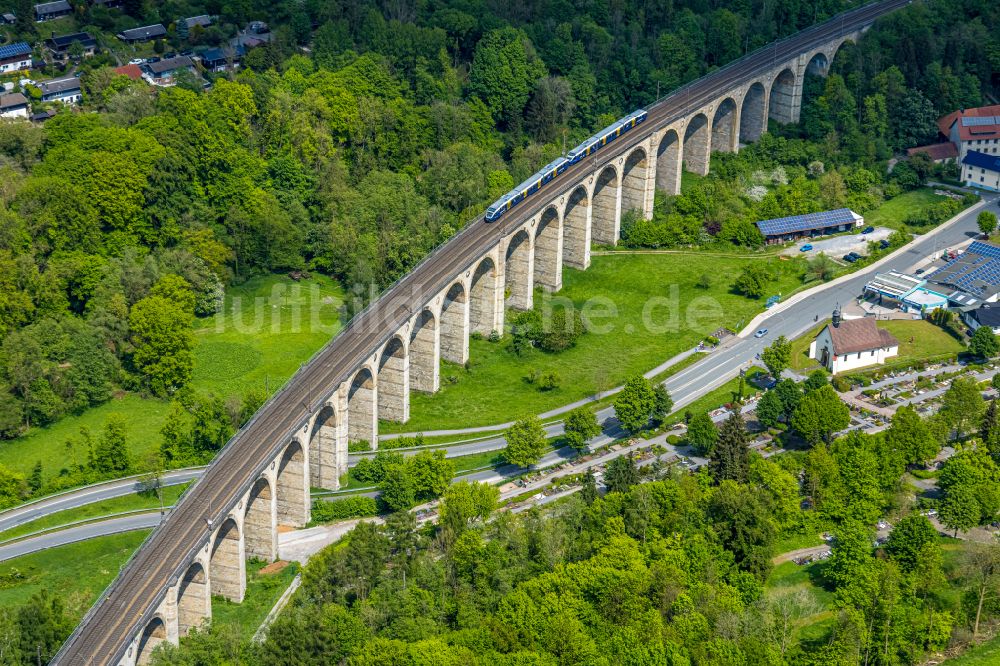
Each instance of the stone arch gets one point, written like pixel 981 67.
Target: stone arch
pixel 362 415
pixel 154 633
pixel 724 127
pixel 485 298
pixel 576 229
pixel 226 569
pixel 818 65
pixel 394 381
pixel 425 349
pixel 517 271
pixel 607 207
pixel 784 98
pixel 697 145
pixel 634 179
pixel 548 250
pixel 260 527
pixel 292 487
pixel 326 449
pixel 454 322
pixel 668 163
pixel 193 602
pixel 753 113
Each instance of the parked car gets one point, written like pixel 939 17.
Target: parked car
pixel 850 258
pixel 868 230
pixel 806 247
pixel 884 243
pixel 136 61
pixel 760 333
pixel 920 271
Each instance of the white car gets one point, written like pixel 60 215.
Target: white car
pixel 137 61
pixel 760 333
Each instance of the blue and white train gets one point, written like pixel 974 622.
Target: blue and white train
pixel 556 167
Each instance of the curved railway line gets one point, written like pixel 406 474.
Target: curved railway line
pixel 103 635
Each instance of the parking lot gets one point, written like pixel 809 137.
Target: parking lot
pixel 838 246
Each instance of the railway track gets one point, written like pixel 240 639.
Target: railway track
pixel 125 607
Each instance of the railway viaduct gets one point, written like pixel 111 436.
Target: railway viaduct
pixel 261 480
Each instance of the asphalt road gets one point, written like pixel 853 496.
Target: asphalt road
pixel 139 521
pixel 83 496
pixel 130 601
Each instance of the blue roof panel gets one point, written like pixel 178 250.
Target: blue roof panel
pixel 808 222
pixel 982 160
pixel 14 50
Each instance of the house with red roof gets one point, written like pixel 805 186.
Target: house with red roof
pixel 973 129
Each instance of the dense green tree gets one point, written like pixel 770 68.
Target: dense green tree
pixel 962 406
pixel 44 625
pixel 621 474
pixel 909 435
pixel 162 341
pixel 908 539
pixel 959 510
pixel 702 433
pixel 431 473
pixel 525 442
pixel 662 402
pixel 12 487
pixel 504 71
pixel 634 404
pixel 730 459
pixel 111 454
pixel 464 503
pixel 744 525
pixel 777 356
pixel 816 379
pixel 398 489
pixel 581 426
pixel 820 414
pixel 984 343
pixel 753 280
pixel 987 222
pixel 769 409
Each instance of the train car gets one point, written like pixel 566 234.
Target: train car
pixel 606 136
pixel 526 189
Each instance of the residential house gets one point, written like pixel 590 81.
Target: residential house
pixel 981 170
pixel 59 46
pixel 203 20
pixel 8 19
pixel 143 34
pixel 14 57
pixel 219 60
pixel 47 11
pixel 163 72
pixel 14 105
pixel 133 72
pixel 973 129
pixel 42 116
pixel 66 90
pixel 939 153
pixel 845 345
pixel 984 315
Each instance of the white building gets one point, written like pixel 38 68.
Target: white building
pixel 973 129
pixel 984 315
pixel 15 57
pixel 981 170
pixel 14 105
pixel 854 343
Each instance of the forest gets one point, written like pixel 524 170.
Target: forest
pixel 360 137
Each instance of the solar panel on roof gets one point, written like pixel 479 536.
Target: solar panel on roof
pixel 13 50
pixel 809 221
pixel 980 121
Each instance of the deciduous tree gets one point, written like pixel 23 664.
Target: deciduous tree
pixel 634 403
pixel 581 426
pixel 525 442
pixel 777 356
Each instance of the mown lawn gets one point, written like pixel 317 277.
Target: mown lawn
pixel 494 389
pixel 919 339
pixel 108 507
pixel 269 327
pixel 895 210
pixel 800 350
pixel 76 573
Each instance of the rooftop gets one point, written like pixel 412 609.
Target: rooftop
pixel 986 315
pixel 204 20
pixel 982 160
pixel 55 86
pixel 979 123
pixel 12 100
pixel 64 41
pixel 53 7
pixel 893 283
pixel 975 271
pixel 15 50
pixel 145 32
pixel 808 222
pixel 131 71
pixel 936 151
pixel 858 335
pixel 169 64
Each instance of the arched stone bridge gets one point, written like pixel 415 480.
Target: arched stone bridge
pixel 299 439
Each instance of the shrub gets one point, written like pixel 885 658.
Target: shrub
pixel 841 384
pixel 548 381
pixel 324 511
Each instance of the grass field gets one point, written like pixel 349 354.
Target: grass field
pixel 263 591
pixel 270 326
pixel 987 654
pixel 791 578
pixel 494 389
pixel 895 210
pixel 919 339
pixel 96 510
pixel 78 572
pixel 717 397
